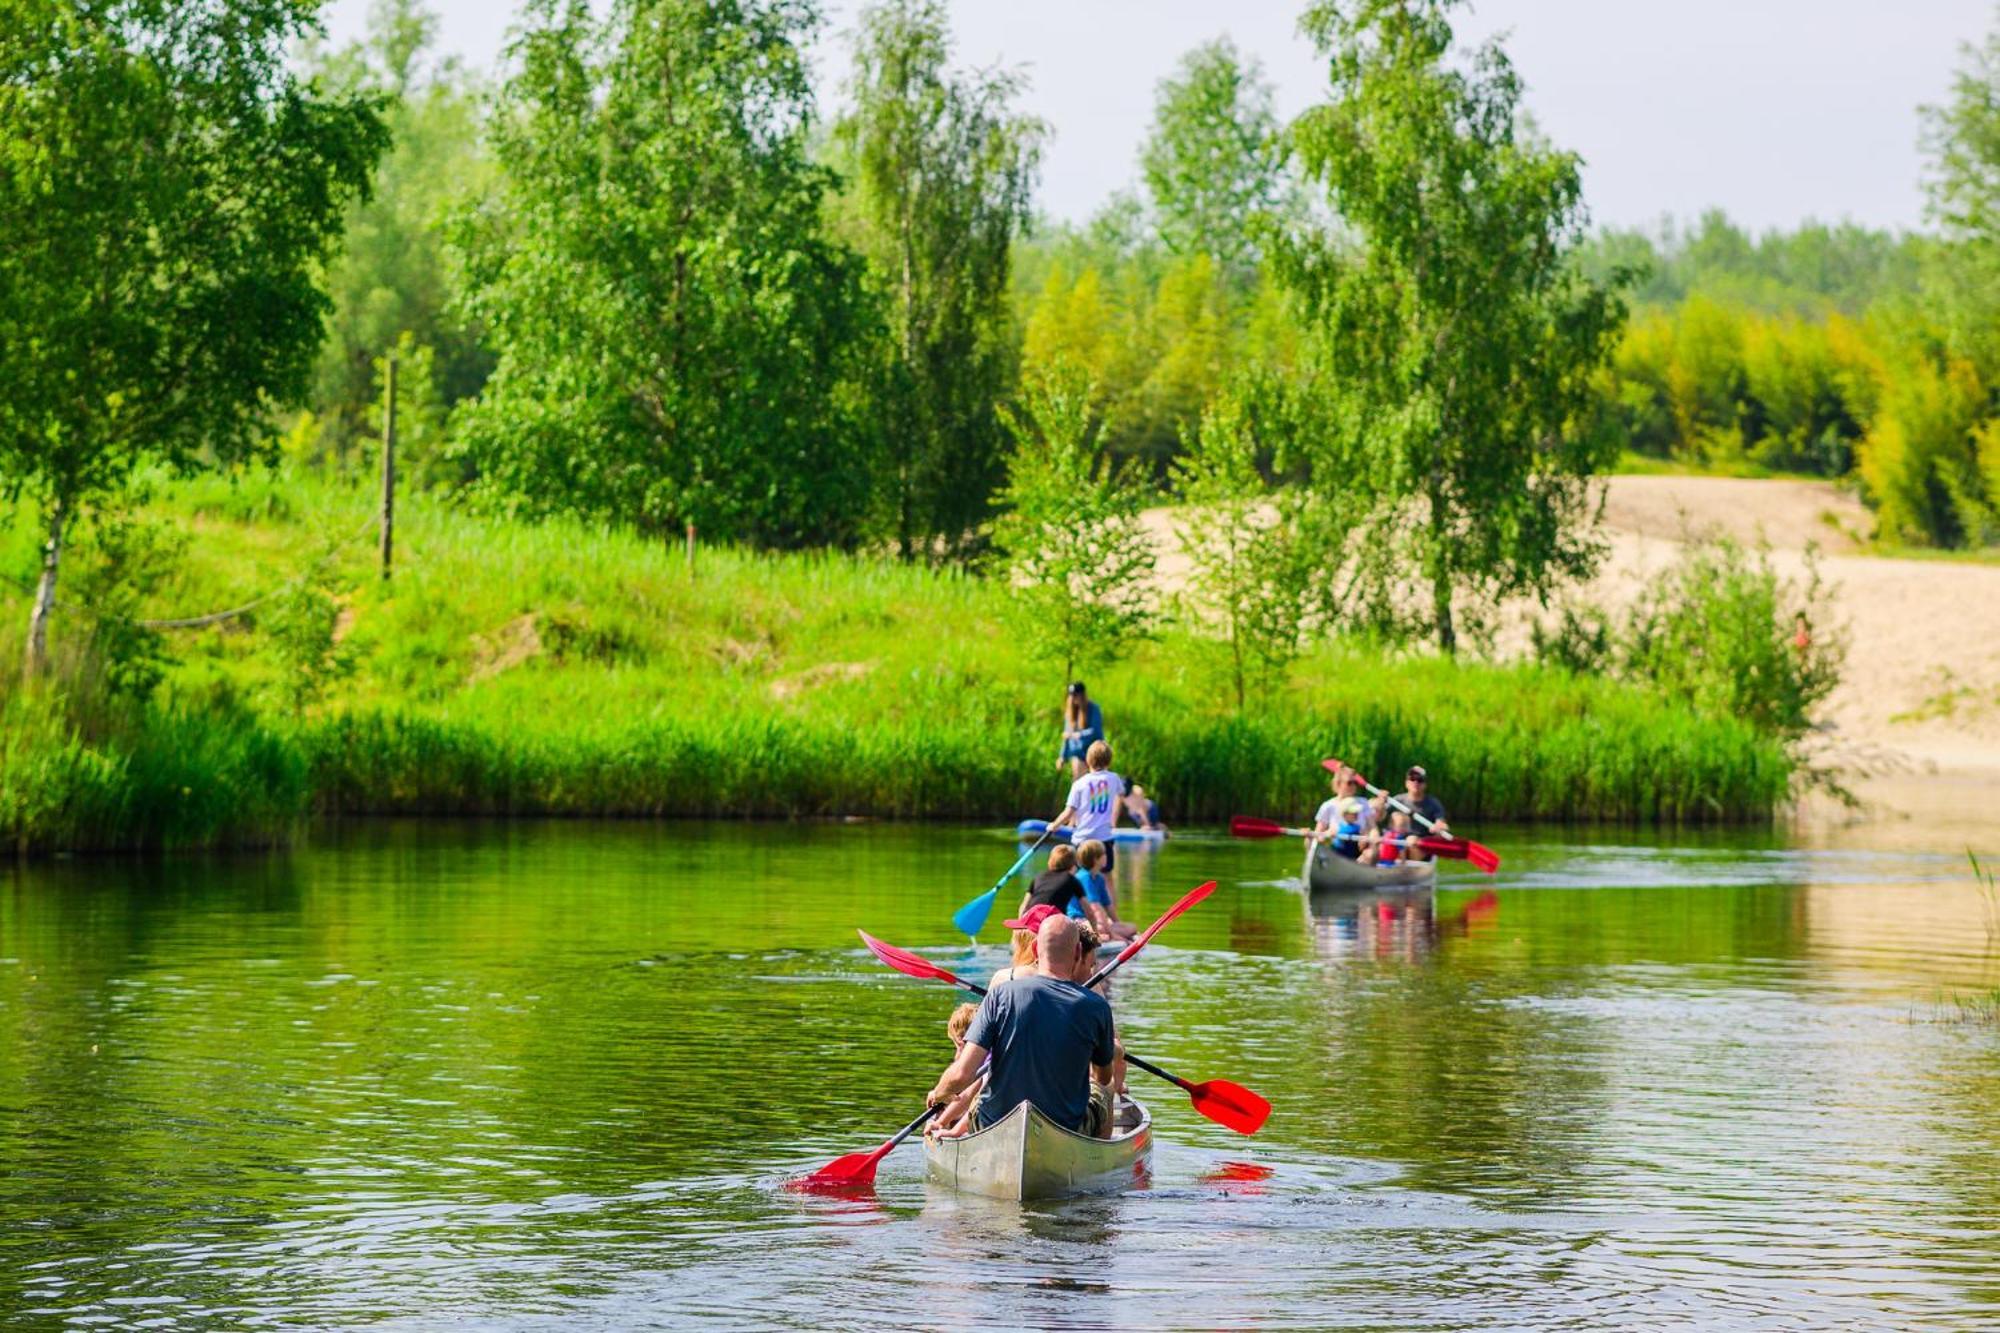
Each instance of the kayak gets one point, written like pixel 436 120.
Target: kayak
pixel 1035 828
pixel 1327 872
pixel 1025 1155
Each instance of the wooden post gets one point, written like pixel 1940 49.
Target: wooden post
pixel 389 465
pixel 690 548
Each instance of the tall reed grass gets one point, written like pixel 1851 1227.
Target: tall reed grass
pixel 564 669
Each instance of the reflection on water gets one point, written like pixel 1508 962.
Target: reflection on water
pixel 541 1074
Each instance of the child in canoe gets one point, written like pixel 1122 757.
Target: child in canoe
pixel 1347 821
pixel 954 1119
pixel 1397 837
pixel 1098 907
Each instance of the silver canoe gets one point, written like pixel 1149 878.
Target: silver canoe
pixel 1028 1156
pixel 1328 872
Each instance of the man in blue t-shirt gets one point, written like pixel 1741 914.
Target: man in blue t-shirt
pixel 1050 1041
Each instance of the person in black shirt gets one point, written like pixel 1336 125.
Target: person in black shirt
pixel 1057 886
pixel 1416 796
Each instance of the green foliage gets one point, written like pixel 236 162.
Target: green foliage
pixel 169 187
pixel 1254 552
pixel 564 667
pixel 1812 270
pixel 1931 458
pixel 678 337
pixel 152 777
pixel 1722 632
pixel 423 454
pixel 1962 279
pixel 390 284
pixel 1454 339
pixel 1076 558
pixel 303 623
pixel 942 170
pixel 1213 164
pixel 121 562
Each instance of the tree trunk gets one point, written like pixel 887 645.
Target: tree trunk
pixel 45 595
pixel 1441 601
pixel 1440 563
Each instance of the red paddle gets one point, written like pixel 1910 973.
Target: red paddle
pixel 858 1169
pixel 1243 826
pixel 1229 1104
pixel 1478 853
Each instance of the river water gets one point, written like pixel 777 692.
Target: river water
pixel 540 1075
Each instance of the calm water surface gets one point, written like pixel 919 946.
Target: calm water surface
pixel 542 1075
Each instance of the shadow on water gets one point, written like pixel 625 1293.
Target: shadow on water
pixel 547 1074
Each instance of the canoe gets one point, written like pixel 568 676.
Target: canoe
pixel 1028 1156
pixel 1327 872
pixel 1029 829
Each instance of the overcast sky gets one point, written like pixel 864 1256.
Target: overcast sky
pixel 1775 110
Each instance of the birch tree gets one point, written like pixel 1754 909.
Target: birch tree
pixel 169 187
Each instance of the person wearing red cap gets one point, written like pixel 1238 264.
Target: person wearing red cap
pixel 1048 1040
pixel 1024 928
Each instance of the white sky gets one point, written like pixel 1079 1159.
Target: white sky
pixel 1775 110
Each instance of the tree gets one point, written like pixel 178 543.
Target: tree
pixel 169 187
pixel 1213 161
pixel 1963 138
pixel 942 172
pixel 391 278
pixel 1072 548
pixel 1251 549
pixel 1454 335
pixel 678 337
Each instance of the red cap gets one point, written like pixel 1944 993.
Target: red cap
pixel 1037 914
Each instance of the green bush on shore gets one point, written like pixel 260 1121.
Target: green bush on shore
pixel 564 669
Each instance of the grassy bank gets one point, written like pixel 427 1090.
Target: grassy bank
pixel 556 669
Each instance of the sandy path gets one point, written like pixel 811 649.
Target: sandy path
pixel 1921 693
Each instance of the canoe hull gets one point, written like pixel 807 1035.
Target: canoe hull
pixel 1028 1156
pixel 1327 872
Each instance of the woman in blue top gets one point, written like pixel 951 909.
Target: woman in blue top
pixel 1082 724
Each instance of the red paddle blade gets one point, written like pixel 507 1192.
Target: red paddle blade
pixel 853 1171
pixel 1243 826
pixel 1230 1105
pixel 1453 848
pixel 910 964
pixel 1332 766
pixel 1482 856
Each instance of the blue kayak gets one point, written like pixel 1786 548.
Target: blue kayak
pixel 1034 828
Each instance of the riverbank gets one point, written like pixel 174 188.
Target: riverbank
pixel 556 669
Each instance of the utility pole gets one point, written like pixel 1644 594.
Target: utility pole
pixel 389 465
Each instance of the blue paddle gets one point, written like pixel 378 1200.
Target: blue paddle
pixel 971 918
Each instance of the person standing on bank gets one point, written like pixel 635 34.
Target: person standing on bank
pixel 1417 796
pixel 1083 726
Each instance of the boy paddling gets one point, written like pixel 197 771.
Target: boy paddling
pixel 1093 803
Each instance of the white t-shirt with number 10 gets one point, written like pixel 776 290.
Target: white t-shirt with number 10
pixel 1095 797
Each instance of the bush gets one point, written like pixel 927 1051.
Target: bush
pixel 1720 631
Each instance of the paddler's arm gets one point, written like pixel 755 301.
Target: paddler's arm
pixel 958 1075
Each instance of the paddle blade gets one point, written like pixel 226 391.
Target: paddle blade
pixel 854 1171
pixel 1482 856
pixel 1193 896
pixel 913 965
pixel 972 917
pixel 1243 826
pixel 1230 1105
pixel 1454 849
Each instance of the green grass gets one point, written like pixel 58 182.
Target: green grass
pixel 510 668
pixel 1632 463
